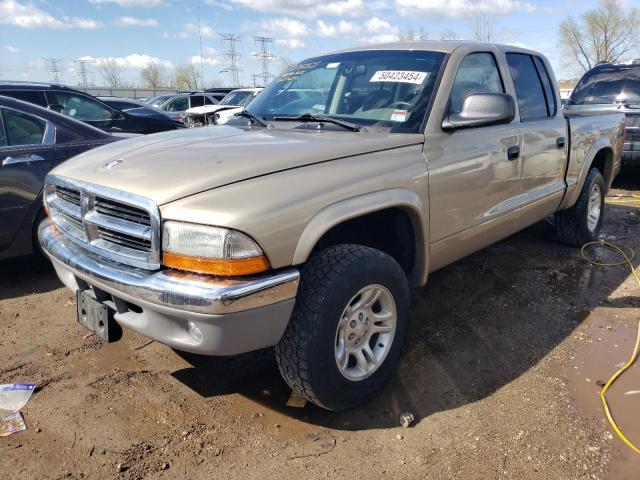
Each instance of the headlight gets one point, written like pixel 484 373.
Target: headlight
pixel 210 250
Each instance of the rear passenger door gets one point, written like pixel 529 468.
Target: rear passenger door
pixel 27 152
pixel 543 129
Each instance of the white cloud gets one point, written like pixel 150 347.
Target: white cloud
pixel 134 61
pixel 459 8
pixel 28 15
pixel 290 42
pixel 285 27
pixel 307 8
pixel 11 48
pixel 342 28
pixel 384 38
pixel 192 29
pixel 136 22
pixel 130 3
pixel 195 59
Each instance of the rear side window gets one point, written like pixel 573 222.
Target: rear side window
pixel 548 89
pixel 3 135
pixel 197 101
pixel 23 129
pixel 179 104
pixel 608 85
pixel 477 73
pixel 531 99
pixel 30 96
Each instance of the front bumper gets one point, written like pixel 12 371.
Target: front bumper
pixel 188 312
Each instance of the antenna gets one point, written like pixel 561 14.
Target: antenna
pixel 53 67
pixel 201 59
pixel 86 76
pixel 264 56
pixel 232 56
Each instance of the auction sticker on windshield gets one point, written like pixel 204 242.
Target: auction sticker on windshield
pixel 399 115
pixel 399 76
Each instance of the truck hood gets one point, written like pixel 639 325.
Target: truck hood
pixel 171 165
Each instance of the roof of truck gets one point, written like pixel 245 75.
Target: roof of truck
pixel 446 46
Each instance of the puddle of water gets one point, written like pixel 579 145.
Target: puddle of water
pixel 608 337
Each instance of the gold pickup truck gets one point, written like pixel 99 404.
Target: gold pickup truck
pixel 303 223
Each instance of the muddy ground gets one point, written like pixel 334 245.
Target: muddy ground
pixel 504 356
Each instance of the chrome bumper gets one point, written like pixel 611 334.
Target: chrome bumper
pixel 188 312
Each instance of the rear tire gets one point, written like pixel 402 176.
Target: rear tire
pixel 581 223
pixel 347 328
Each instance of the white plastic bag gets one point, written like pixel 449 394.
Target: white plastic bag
pixel 14 396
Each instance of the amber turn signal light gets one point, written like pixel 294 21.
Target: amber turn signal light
pixel 213 266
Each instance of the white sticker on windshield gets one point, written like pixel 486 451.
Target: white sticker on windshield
pixel 399 115
pixel 399 76
pixel 333 65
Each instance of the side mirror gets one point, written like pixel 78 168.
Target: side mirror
pixel 56 107
pixel 482 109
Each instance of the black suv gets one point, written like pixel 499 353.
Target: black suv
pixel 614 86
pixel 89 109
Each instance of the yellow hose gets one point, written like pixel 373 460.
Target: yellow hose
pixel 636 350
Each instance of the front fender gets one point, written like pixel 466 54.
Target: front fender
pixel 350 208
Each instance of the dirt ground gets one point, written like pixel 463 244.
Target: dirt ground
pixel 501 370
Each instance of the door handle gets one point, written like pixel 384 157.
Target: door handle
pixel 513 153
pixel 22 159
pixel 560 142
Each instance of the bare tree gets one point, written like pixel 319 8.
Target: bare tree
pixel 110 71
pixel 187 78
pixel 153 75
pixel 449 34
pixel 483 18
pixel 411 34
pixel 608 33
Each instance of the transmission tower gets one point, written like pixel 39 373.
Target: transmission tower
pixel 254 79
pixel 53 67
pixel 86 76
pixel 265 57
pixel 232 56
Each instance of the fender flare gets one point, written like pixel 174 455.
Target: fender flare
pixel 353 207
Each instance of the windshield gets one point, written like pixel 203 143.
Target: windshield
pixel 383 90
pixel 620 85
pixel 239 99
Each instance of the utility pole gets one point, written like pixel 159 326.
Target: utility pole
pixel 265 57
pixel 53 67
pixel 255 78
pixel 86 76
pixel 232 56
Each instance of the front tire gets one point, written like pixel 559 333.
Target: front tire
pixel 347 328
pixel 581 223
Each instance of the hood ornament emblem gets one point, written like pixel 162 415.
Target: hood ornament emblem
pixel 111 163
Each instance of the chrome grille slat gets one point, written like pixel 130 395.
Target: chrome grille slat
pixel 117 225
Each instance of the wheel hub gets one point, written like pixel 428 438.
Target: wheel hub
pixel 365 332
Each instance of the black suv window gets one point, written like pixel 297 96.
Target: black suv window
pixel 79 107
pixel 549 93
pixel 531 100
pixel 31 96
pixel 477 73
pixel 197 101
pixel 608 85
pixel 23 129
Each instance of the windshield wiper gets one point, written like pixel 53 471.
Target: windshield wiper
pixel 256 119
pixel 307 117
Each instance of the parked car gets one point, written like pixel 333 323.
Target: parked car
pixel 613 87
pixel 121 103
pixel 32 141
pixel 87 108
pixel 303 222
pixel 221 113
pixel 182 102
pixel 219 92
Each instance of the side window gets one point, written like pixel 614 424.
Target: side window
pixel 179 104
pixel 78 106
pixel 23 129
pixel 477 73
pixel 209 101
pixel 197 100
pixel 531 99
pixel 30 96
pixel 549 92
pixel 3 135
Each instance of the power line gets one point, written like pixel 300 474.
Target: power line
pixel 265 56
pixel 232 56
pixel 53 67
pixel 86 76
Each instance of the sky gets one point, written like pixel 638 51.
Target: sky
pixel 137 32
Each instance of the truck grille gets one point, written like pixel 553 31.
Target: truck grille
pixel 117 225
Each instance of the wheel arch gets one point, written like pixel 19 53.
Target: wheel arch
pixel 334 219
